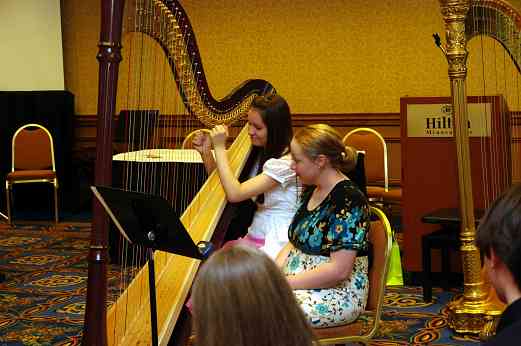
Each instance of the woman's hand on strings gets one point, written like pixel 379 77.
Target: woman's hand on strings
pixel 201 142
pixel 218 135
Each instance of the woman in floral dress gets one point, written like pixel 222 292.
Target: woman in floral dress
pixel 325 261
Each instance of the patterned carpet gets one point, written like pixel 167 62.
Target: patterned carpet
pixel 43 297
pixel 42 300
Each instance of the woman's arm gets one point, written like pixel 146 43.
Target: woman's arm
pixel 203 145
pixel 236 191
pixel 328 274
pixel 282 256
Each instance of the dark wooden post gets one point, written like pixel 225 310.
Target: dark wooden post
pixel 109 56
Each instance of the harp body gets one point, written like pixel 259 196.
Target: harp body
pixel 478 310
pixel 127 321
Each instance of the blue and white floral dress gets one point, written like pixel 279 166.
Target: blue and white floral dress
pixel 341 221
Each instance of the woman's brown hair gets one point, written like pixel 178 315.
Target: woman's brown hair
pixel 322 139
pixel 276 115
pixel 240 298
pixel 500 229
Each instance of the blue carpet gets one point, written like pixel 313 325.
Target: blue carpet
pixel 409 320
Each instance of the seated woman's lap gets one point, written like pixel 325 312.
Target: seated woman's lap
pixel 335 306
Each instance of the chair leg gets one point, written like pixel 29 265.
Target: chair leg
pixel 445 267
pixel 56 203
pixel 2 215
pixel 426 259
pixel 8 195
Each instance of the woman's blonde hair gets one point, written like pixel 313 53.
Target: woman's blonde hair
pixel 322 139
pixel 241 297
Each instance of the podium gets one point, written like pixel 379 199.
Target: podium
pixel 149 221
pixel 429 161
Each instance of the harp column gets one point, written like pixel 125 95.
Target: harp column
pixel 109 56
pixel 474 312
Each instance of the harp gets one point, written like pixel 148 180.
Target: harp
pixel 127 320
pixel 478 23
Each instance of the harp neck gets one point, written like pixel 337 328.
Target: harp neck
pixel 499 21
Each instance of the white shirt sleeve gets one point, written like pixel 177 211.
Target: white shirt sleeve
pixel 279 170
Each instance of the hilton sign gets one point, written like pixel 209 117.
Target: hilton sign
pixel 435 120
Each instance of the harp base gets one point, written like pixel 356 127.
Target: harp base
pixel 474 317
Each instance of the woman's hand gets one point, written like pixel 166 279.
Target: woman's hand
pixel 218 135
pixel 282 256
pixel 201 142
pixel 327 274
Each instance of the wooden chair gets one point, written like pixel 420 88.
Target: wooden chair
pixel 32 162
pixel 364 328
pixel 187 142
pixel 376 164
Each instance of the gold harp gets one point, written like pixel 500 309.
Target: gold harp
pixel 474 22
pixel 127 321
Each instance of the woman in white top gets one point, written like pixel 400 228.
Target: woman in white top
pixel 273 184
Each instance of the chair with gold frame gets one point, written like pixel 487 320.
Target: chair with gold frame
pixel 187 142
pixel 32 162
pixel 365 327
pixel 376 164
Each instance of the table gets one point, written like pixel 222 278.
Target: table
pixel 174 174
pixel 446 238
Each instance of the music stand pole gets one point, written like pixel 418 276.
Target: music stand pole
pixel 152 292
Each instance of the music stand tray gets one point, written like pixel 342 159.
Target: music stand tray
pixel 149 221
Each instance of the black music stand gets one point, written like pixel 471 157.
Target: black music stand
pixel 149 221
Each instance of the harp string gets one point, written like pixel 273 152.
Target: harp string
pixel 147 89
pixel 168 33
pixel 493 71
pixel 481 99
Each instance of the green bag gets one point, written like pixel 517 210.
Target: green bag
pixel 395 275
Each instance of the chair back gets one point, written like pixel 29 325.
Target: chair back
pixel 380 236
pixel 187 142
pixel 32 148
pixel 373 144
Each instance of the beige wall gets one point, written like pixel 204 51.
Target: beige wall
pixel 334 57
pixel 81 26
pixel 31 45
pixel 337 56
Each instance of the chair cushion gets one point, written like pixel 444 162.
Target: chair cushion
pixel 30 175
pixel 362 325
pixel 394 194
pixel 375 191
